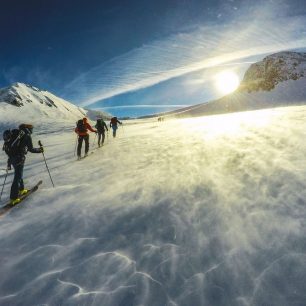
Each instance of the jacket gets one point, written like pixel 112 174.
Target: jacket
pixel 87 127
pixel 26 145
pixel 114 121
pixel 101 127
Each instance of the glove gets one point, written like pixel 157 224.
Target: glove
pixel 42 150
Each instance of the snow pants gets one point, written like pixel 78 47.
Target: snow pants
pixel 17 184
pixel 101 135
pixel 80 142
pixel 114 127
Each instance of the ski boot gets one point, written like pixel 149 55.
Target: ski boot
pixel 15 201
pixel 23 191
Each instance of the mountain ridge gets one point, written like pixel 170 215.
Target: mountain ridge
pixel 274 69
pixel 25 103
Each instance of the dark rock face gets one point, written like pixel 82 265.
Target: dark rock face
pixel 272 70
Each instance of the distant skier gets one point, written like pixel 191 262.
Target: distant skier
pixel 114 126
pixel 17 143
pixel 101 126
pixel 82 130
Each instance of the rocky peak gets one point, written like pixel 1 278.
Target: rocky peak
pixel 273 69
pixel 20 94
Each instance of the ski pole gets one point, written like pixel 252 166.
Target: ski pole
pixel 40 144
pixel 4 183
pixel 94 141
pixel 76 143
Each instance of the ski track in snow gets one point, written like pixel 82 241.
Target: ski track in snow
pixel 200 211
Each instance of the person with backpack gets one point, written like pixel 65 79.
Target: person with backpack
pixel 101 126
pixel 82 130
pixel 114 126
pixel 17 143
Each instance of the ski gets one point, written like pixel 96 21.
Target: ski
pixel 6 207
pixel 83 157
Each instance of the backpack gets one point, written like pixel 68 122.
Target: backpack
pixel 100 125
pixel 81 126
pixel 12 142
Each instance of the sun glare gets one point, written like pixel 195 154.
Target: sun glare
pixel 226 81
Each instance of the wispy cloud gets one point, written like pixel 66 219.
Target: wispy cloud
pixel 205 47
pixel 144 106
pixel 35 76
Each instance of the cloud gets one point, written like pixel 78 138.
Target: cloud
pixel 182 53
pixel 35 76
pixel 144 106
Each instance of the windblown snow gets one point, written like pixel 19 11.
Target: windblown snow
pixel 201 211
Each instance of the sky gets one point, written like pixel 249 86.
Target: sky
pixel 135 57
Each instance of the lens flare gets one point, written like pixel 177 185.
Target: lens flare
pixel 226 81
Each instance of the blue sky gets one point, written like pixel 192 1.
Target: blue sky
pixel 138 57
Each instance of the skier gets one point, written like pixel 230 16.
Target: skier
pixel 101 126
pixel 16 145
pixel 81 130
pixel 114 126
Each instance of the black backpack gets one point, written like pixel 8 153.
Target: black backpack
pixel 12 142
pixel 100 125
pixel 81 126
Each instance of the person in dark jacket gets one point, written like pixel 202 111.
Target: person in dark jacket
pixel 101 126
pixel 82 131
pixel 17 160
pixel 114 126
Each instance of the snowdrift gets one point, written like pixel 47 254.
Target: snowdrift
pixel 201 211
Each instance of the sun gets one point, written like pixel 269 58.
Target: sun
pixel 226 81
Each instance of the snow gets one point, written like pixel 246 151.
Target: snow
pixel 198 211
pixel 38 107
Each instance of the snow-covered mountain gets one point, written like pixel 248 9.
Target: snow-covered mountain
pixel 25 103
pixel 274 69
pixel 278 80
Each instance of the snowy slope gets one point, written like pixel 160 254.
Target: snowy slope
pixel 286 93
pixel 201 211
pixel 274 69
pixel 278 80
pixel 21 103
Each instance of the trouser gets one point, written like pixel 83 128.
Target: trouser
pixel 18 180
pixel 101 135
pixel 114 127
pixel 80 142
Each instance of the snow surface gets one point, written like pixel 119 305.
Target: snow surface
pixel 201 211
